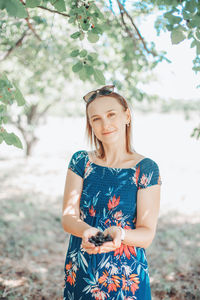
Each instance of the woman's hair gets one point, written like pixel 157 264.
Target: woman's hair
pixel 94 140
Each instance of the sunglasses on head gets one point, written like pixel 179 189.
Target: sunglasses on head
pixel 105 90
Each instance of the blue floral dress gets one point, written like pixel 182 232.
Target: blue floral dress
pixel 109 198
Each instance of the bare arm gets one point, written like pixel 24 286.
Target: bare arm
pixel 71 221
pixel 148 205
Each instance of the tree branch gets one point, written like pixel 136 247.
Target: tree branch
pixel 17 44
pixel 29 24
pixel 53 11
pixel 122 11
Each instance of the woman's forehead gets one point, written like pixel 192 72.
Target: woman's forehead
pixel 103 104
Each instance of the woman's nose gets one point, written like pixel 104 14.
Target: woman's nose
pixel 105 123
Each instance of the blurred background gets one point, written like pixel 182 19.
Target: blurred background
pixel 51 127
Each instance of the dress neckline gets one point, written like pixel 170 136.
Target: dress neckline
pixel 133 167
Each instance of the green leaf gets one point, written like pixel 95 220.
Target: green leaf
pixel 168 14
pixel 85 26
pixel 83 53
pixel 75 35
pixel 193 44
pixel 39 20
pixel 97 29
pixel 94 55
pixel 99 77
pixel 173 19
pixel 92 38
pixel 191 6
pixel 74 53
pixel 177 36
pixel 83 74
pixel 32 3
pixel 59 5
pixel 169 27
pixel 18 96
pixel 3 110
pixel 195 22
pixel 89 70
pixel 90 58
pixel 2 4
pixel 72 19
pixel 16 9
pixel 197 35
pixel 186 15
pixel 12 139
pixel 197 48
pixel 1 138
pixel 5 120
pixel 77 67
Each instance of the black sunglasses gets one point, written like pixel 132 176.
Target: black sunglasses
pixel 105 90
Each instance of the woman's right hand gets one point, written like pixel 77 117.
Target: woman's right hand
pixel 90 248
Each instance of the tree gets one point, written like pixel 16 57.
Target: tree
pixel 92 31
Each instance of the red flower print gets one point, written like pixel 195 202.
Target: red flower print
pixel 113 203
pixel 118 215
pixel 71 275
pixel 106 221
pixel 130 283
pixel 112 282
pixel 144 180
pixel 92 212
pixel 126 250
pixel 88 169
pixel 98 294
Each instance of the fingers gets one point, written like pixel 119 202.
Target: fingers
pixel 88 245
pixel 92 251
pixel 98 249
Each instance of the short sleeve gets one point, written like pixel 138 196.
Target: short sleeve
pixel 77 163
pixel 149 174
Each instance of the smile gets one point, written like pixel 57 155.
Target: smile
pixel 109 132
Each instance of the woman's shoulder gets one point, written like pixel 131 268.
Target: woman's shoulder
pixel 148 164
pixel 80 153
pixel 149 173
pixel 78 156
pixel 77 162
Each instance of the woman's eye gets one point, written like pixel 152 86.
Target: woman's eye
pixel 111 114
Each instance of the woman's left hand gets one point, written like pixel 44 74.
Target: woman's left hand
pixel 115 232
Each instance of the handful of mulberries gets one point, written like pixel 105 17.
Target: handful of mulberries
pixel 100 238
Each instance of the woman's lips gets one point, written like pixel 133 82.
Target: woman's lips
pixel 109 132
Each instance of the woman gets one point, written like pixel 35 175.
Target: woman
pixel 116 191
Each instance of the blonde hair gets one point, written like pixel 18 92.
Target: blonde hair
pixel 94 140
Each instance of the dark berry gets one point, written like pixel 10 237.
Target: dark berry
pixel 108 238
pixel 99 233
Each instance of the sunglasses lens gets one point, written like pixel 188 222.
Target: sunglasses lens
pixel 90 96
pixel 106 91
pixel 103 91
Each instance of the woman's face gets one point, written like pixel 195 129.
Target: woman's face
pixel 108 119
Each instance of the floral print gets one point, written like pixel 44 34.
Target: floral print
pixel 109 198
